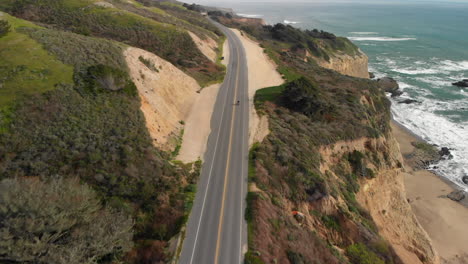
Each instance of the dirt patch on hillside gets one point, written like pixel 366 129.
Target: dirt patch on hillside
pixel 262 73
pixel 207 46
pixel 164 101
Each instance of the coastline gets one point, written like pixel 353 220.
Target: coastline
pixel 443 219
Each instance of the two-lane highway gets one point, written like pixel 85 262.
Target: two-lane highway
pixel 216 230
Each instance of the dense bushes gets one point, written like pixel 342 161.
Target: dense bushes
pixel 94 129
pixel 360 254
pixel 4 28
pixel 303 96
pixel 82 17
pixel 101 77
pixel 59 221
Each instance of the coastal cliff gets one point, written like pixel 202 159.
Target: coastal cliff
pixel 326 183
pixel 384 197
pixel 352 65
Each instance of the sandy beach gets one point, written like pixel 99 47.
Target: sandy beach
pixel 445 221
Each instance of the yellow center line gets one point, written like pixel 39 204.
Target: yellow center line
pixel 220 226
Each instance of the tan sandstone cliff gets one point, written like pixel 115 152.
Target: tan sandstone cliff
pixel 385 199
pixel 355 66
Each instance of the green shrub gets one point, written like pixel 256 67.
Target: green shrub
pixel 4 28
pixel 355 158
pixel 295 258
pixel 331 221
pixel 360 254
pixel 59 221
pixel 252 258
pixel 148 63
pixel 303 96
pixel 101 78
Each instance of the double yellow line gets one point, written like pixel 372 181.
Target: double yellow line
pixel 221 214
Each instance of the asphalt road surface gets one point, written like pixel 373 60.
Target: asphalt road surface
pixel 216 230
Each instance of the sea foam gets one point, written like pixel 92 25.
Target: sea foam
pixel 379 39
pixel 290 22
pixel 364 33
pixel 441 131
pixel 250 15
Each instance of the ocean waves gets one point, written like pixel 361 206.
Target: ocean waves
pixel 289 22
pixel 250 15
pixel 434 66
pixel 440 113
pixel 437 129
pixel 379 39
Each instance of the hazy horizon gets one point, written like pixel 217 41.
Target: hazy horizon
pixel 226 3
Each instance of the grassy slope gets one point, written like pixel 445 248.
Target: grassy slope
pixel 26 68
pixel 79 128
pixel 161 34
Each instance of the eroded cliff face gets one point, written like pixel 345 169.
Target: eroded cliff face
pixel 383 196
pixel 207 46
pixel 167 95
pixel 355 66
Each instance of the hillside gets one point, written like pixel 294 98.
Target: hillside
pixel 94 100
pixel 326 182
pixel 158 29
pixel 73 114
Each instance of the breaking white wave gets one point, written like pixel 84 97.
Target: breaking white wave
pixel 436 66
pixel 413 71
pixel 435 129
pixel 290 22
pixel 379 39
pixel 364 33
pixel 250 15
pixel 449 65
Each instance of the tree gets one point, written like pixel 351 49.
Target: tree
pixel 301 95
pixel 59 221
pixel 4 28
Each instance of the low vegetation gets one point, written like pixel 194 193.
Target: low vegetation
pixel 58 221
pixel 141 29
pixel 4 28
pixel 320 44
pixel 88 125
pixel 360 254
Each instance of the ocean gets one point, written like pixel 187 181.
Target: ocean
pixel 423 45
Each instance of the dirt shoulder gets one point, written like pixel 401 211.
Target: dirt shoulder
pixel 198 123
pixel 262 73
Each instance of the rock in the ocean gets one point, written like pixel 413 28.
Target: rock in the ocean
pixel 444 151
pixel 371 75
pixel 465 179
pixel 408 101
pixel 456 196
pixel 462 83
pixel 389 85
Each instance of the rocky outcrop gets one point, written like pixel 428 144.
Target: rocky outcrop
pixel 462 83
pixel 456 196
pixel 389 85
pixel 408 101
pixel 356 66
